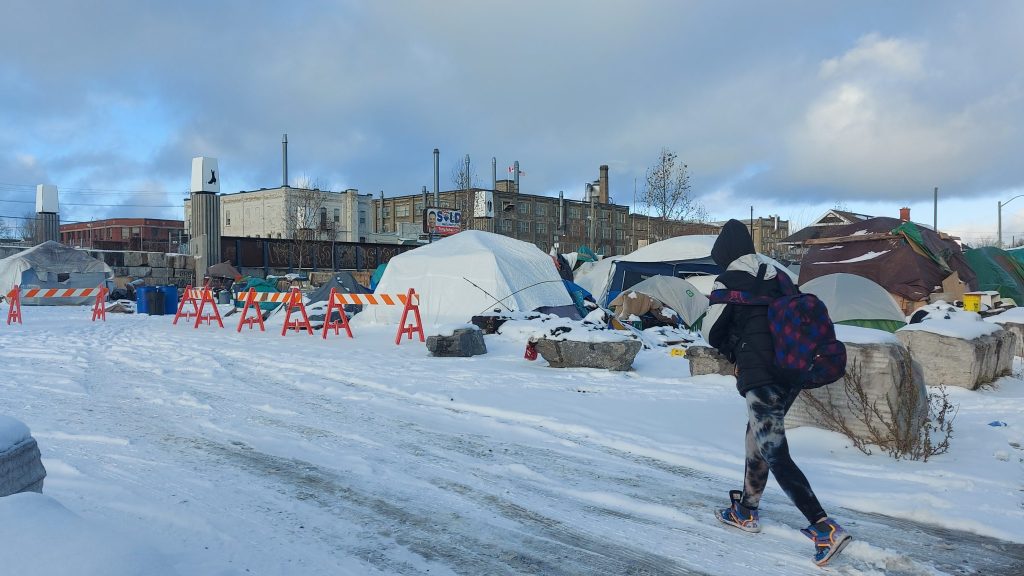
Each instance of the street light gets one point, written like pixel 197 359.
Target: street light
pixel 1001 204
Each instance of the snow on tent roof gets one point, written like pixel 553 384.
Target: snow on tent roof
pixel 508 273
pixel 851 297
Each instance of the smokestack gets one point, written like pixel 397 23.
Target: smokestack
pixel 284 160
pixel 905 214
pixel 604 184
pixel 561 212
pixel 437 175
pixel 494 173
pixel 516 174
pixel 469 181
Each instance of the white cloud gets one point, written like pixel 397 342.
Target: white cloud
pixel 874 55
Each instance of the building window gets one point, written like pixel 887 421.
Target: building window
pixel 506 225
pixel 620 217
pixel 574 212
pixel 362 216
pixel 618 234
pixel 606 232
pixel 386 211
pixel 540 209
pixel 524 207
pixel 337 215
pixel 419 207
pixel 402 211
pixel 542 228
pixel 323 217
pixel 227 217
pixel 523 227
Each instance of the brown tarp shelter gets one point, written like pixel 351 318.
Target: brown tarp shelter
pixel 907 260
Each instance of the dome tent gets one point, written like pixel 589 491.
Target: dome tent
pixel 467 274
pixel 856 301
pixel 53 265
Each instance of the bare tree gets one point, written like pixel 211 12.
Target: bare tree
pixel 27 228
pixel 667 191
pixel 5 230
pixel 463 179
pixel 306 220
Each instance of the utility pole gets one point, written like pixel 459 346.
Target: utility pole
pixel 935 215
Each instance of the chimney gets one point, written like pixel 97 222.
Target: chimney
pixel 284 160
pixel 604 184
pixel 905 214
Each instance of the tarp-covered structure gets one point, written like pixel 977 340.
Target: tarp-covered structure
pixel 468 274
pixel 687 257
pixel 907 260
pixel 54 265
pixel 856 301
pixel 680 257
pixel 341 282
pixel 997 270
pixel 259 285
pixel 678 294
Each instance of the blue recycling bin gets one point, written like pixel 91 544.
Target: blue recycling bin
pixel 170 299
pixel 141 294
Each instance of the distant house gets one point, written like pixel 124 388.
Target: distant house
pixel 147 234
pixel 792 247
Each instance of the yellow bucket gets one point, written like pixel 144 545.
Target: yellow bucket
pixel 972 302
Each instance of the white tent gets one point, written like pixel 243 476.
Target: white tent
pixel 854 299
pixel 467 274
pixel 676 293
pixel 53 265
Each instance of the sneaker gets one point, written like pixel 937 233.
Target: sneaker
pixel 739 515
pixel 829 539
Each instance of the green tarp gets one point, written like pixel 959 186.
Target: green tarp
pixel 998 270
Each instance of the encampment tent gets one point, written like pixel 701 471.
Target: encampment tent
pixel 682 257
pixel 676 293
pixel 343 283
pixel 471 273
pixel 856 301
pixel 54 265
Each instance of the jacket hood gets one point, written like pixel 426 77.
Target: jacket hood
pixel 733 242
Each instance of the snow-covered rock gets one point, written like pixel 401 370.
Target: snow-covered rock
pixel 957 348
pixel 21 469
pixel 880 394
pixel 576 354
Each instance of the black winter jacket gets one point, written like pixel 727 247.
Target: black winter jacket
pixel 741 332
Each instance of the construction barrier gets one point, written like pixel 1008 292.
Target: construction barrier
pixel 250 303
pixel 198 299
pixel 14 297
pixel 293 300
pixel 410 301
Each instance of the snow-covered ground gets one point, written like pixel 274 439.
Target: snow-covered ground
pixel 209 452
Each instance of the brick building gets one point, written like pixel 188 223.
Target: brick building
pixel 146 234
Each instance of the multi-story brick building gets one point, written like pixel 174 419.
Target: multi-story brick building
pixel 540 220
pixel 146 234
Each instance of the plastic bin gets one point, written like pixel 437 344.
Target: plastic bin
pixel 155 302
pixel 972 301
pixel 170 299
pixel 141 293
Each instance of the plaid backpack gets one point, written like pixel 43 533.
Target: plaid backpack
pixel 806 349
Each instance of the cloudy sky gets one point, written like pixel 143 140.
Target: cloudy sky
pixel 789 107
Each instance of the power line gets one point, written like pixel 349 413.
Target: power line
pixel 101 205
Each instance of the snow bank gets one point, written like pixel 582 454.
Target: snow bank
pixel 951 321
pixel 858 335
pixel 41 538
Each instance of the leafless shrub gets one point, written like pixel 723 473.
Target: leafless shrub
pixel 899 431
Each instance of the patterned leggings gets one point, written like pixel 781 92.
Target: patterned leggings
pixel 767 449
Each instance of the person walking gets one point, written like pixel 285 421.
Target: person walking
pixel 742 334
